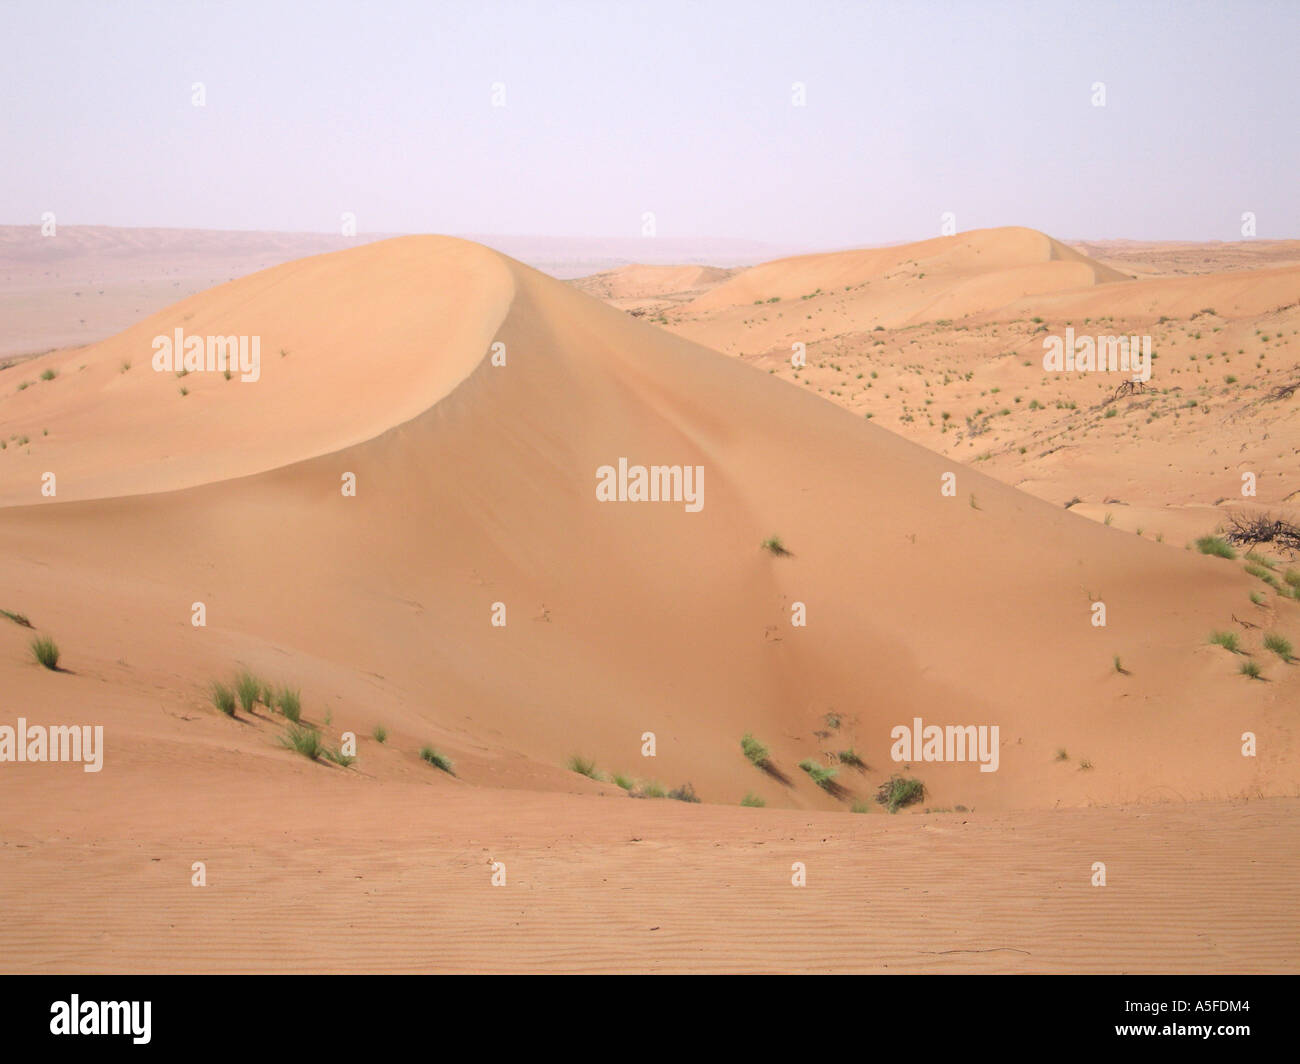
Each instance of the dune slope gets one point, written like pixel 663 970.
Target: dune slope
pixel 475 485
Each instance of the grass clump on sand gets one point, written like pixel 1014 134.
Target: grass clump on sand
pixel 306 741
pixel 1249 669
pixel 436 759
pixel 1261 572
pixel 380 734
pixel 819 774
pixel 248 688
pixel 17 618
pixel 623 782
pixel 339 757
pixel 1216 545
pixel 774 545
pixel 850 757
pixel 1279 645
pixel 289 703
pixel 1227 640
pixel 46 651
pixel 223 698
pixel 585 766
pixel 754 750
pixel 899 791
pixel 753 801
pixel 860 807
pixel 684 793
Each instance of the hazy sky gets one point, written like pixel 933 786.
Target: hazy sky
pixel 614 108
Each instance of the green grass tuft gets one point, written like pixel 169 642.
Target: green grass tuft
pixel 899 791
pixel 46 651
pixel 223 698
pixel 1227 640
pixel 1249 669
pixel 1216 545
pixel 754 750
pixel 753 801
pixel 288 703
pixel 819 774
pixel 380 734
pixel 17 618
pixel 584 766
pixel 307 741
pixel 1279 645
pixel 436 759
pixel 247 687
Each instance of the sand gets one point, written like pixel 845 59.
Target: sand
pixel 475 486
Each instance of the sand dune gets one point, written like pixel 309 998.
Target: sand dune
pixel 476 485
pixel 483 491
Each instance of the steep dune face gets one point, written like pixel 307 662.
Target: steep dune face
pixel 479 486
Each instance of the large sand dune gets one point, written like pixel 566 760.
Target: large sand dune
pixel 476 485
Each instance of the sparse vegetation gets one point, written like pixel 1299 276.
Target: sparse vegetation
pixel 248 688
pixel 899 791
pixel 754 750
pixel 1061 755
pixel 339 757
pixel 1278 645
pixel 753 801
pixel 223 698
pixel 684 793
pixel 17 618
pixel 821 775
pixel 436 759
pixel 1249 669
pixel 289 703
pixel 46 651
pixel 584 766
pixel 380 734
pixel 850 757
pixel 773 545
pixel 307 741
pixel 1215 545
pixel 1227 640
